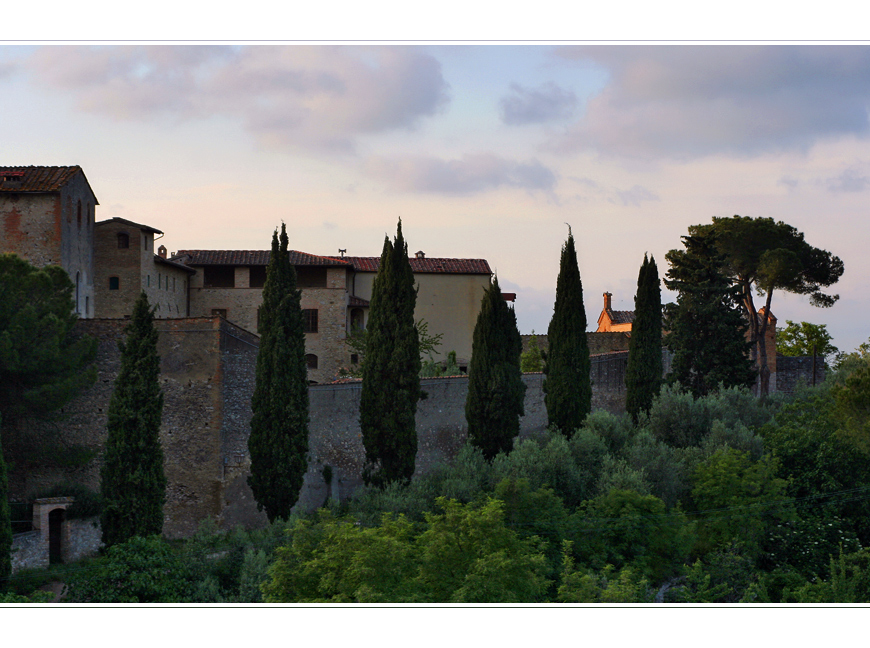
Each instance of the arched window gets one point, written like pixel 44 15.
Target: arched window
pixel 311 359
pixel 123 240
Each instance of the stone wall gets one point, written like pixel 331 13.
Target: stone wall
pixel 200 414
pixel 29 551
pixel 113 261
pixel 793 372
pixel 81 539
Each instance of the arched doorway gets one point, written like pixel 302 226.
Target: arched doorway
pixel 55 528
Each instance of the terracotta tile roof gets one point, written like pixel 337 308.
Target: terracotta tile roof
pixel 124 221
pixel 37 179
pixel 353 300
pixel 620 317
pixel 174 263
pixel 252 258
pixel 427 265
pixel 360 264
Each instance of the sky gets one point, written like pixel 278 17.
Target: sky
pixel 483 151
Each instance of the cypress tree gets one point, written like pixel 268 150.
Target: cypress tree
pixel 391 371
pixel 567 385
pixel 495 382
pixel 132 481
pixel 643 375
pixel 278 444
pixel 5 525
pixel 706 329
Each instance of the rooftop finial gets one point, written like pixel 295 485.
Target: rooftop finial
pixel 569 229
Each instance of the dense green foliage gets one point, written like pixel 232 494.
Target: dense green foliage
pixel 132 481
pixel 41 365
pixel 5 524
pixel 465 554
pixel 278 443
pixel 568 386
pixel 719 499
pixel 643 375
pixel 391 370
pixel 706 331
pixel 532 360
pixel 760 255
pixel 495 383
pixel 804 339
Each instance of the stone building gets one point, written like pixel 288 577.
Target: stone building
pixel 611 321
pixel 47 217
pixel 125 264
pixel 335 298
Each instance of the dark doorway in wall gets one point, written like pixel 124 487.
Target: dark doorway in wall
pixel 55 524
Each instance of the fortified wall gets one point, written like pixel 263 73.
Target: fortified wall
pixel 207 376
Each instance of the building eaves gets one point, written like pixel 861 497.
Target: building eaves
pixel 40 179
pixel 174 264
pixel 427 265
pixel 254 258
pixel 128 223
pixel 620 317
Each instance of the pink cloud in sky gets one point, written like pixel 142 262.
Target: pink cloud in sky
pixel 318 98
pixel 688 101
pixel 469 174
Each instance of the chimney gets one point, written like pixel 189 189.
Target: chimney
pixel 161 251
pixel 607 297
pixel 420 254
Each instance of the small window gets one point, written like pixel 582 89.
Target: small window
pixel 354 358
pixel 308 277
pixel 258 276
pixel 123 241
pixel 148 280
pixel 311 360
pixel 144 242
pixel 114 283
pixel 159 281
pixel 310 315
pixel 219 276
pixel 219 311
pixel 79 214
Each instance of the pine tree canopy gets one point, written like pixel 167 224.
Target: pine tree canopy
pixel 495 382
pixel 42 366
pixel 643 375
pixel 391 370
pixel 568 386
pixel 133 483
pixel 278 444
pixel 706 330
pixel 759 256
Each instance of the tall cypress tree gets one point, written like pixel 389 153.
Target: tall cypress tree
pixel 643 375
pixel 278 444
pixel 495 382
pixel 132 481
pixel 5 525
pixel 567 385
pixel 706 330
pixel 391 371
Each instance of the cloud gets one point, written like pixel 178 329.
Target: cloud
pixel 635 196
pixel 314 97
pixel 849 180
pixel 547 102
pixel 467 175
pixel 690 101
